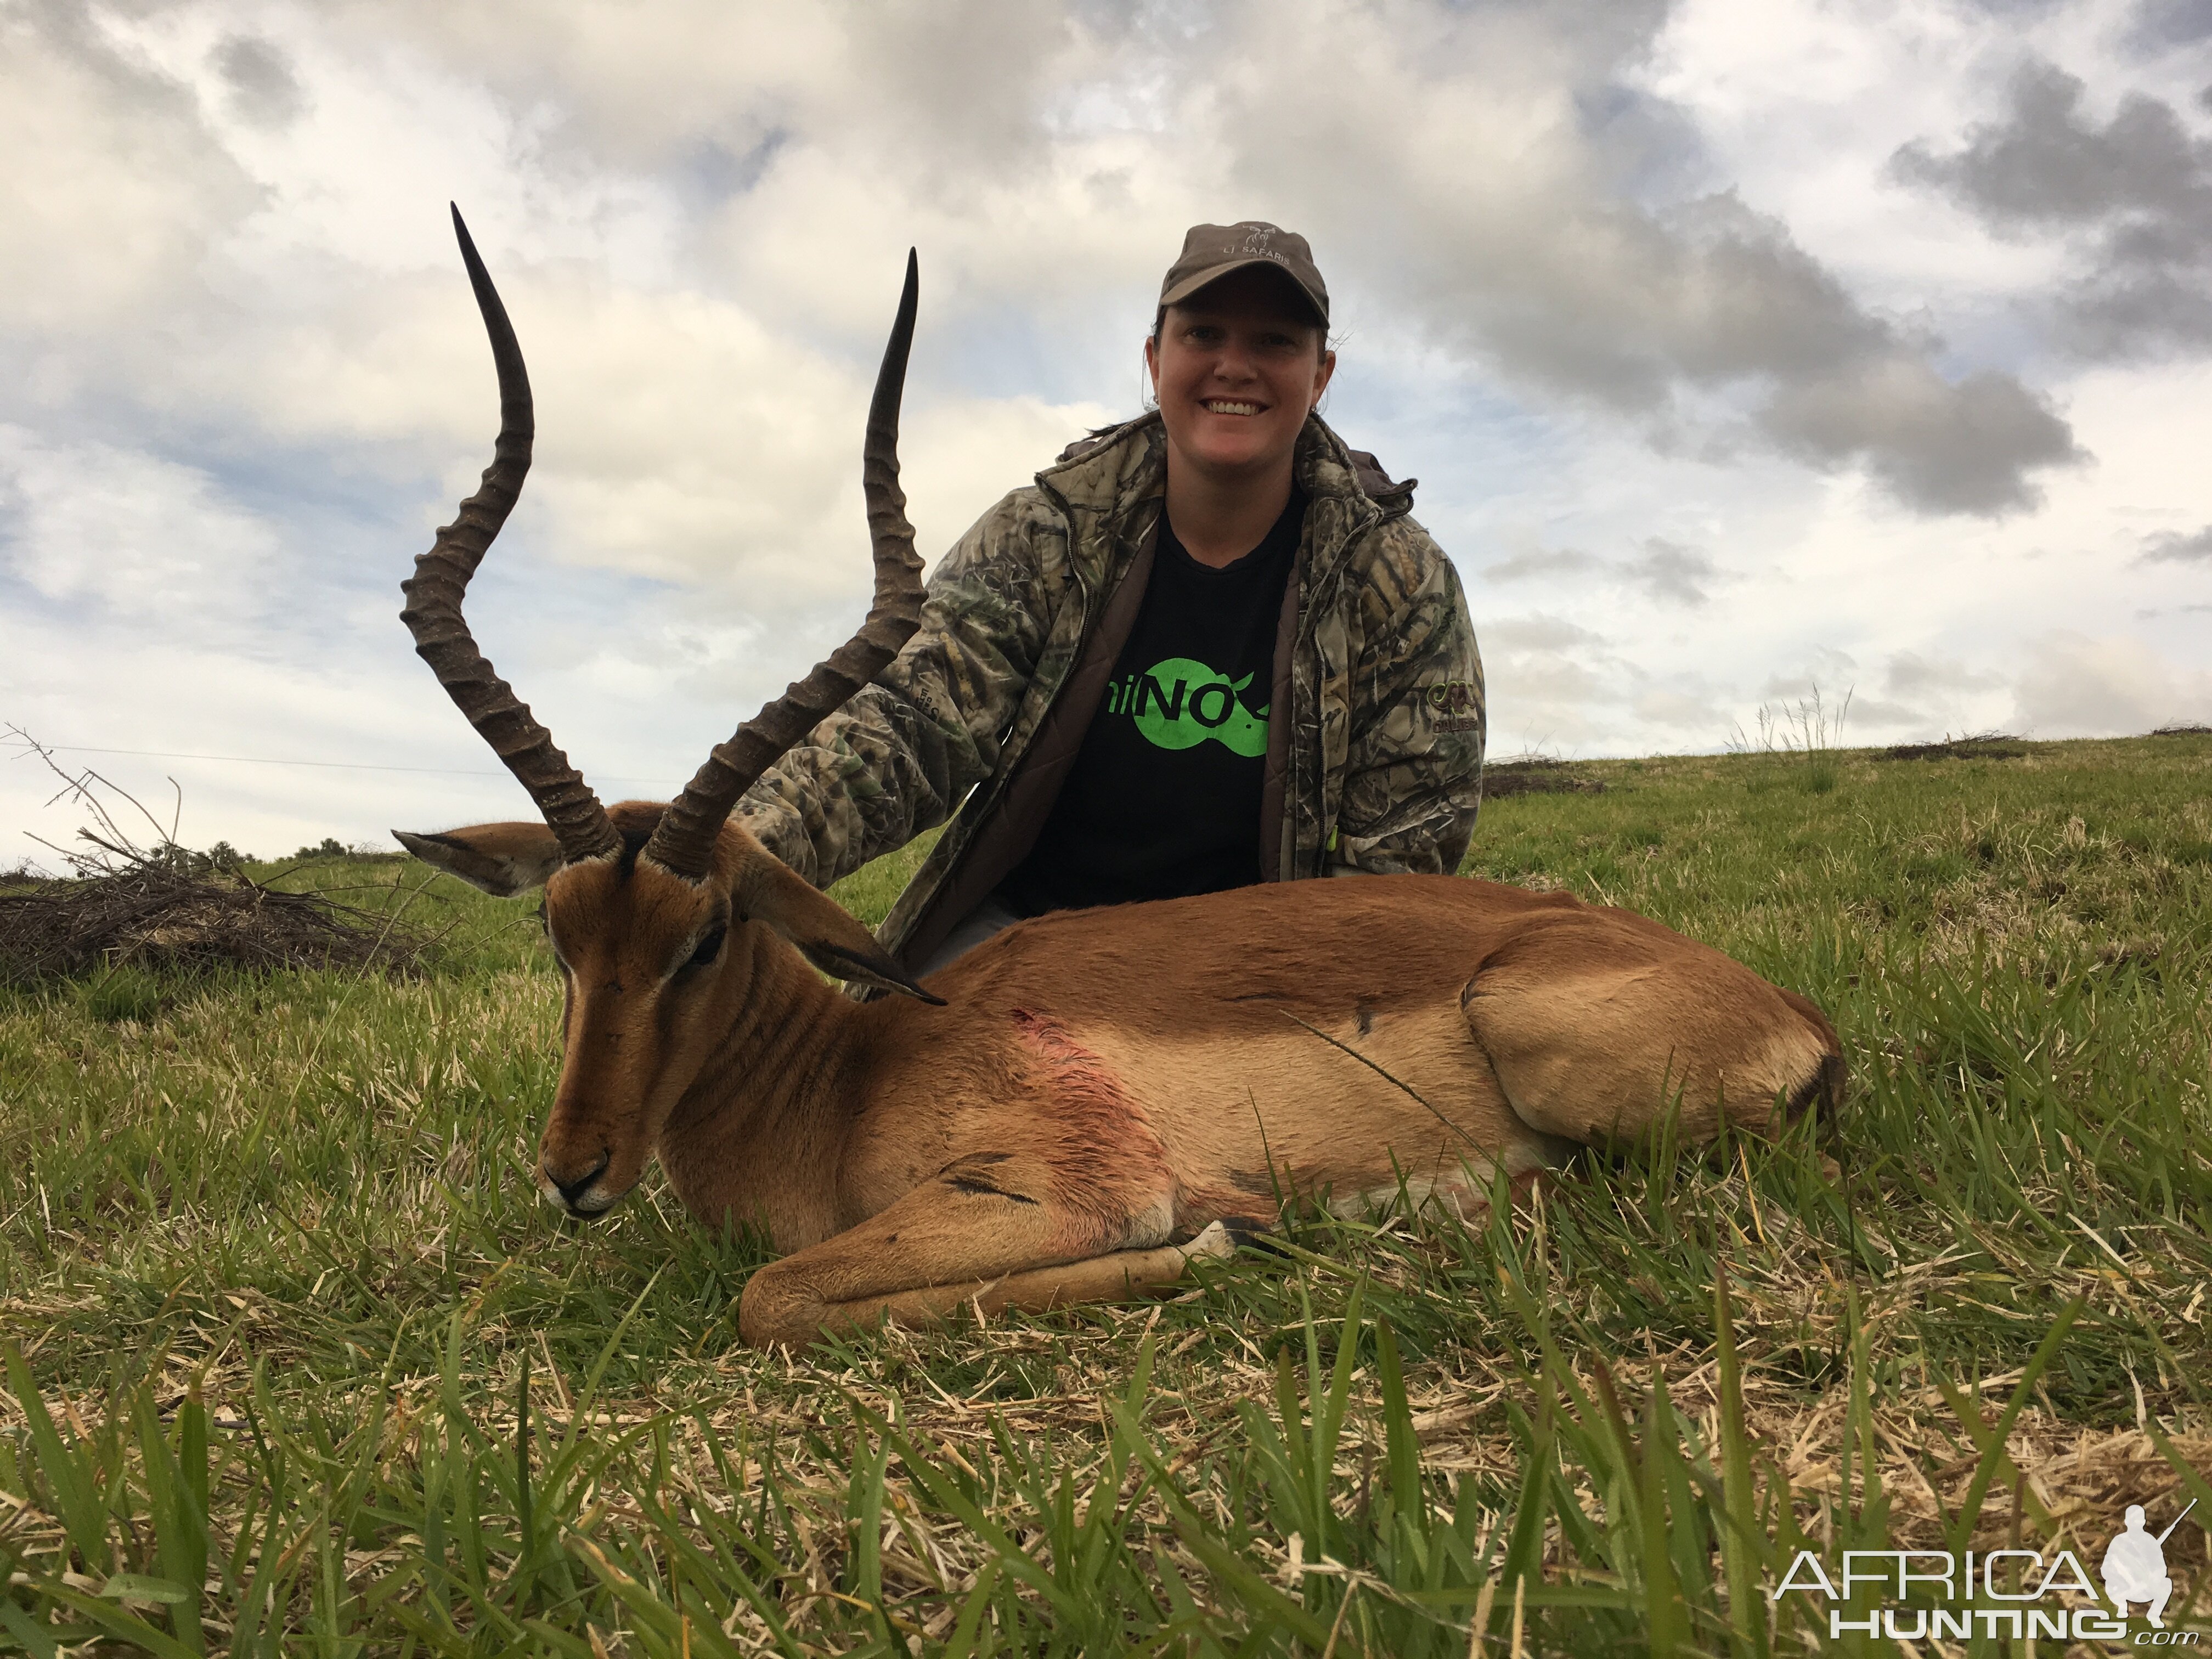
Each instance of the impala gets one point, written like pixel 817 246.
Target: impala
pixel 1074 1109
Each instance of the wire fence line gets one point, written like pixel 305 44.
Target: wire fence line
pixel 273 760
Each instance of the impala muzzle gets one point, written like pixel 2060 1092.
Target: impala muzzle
pixel 578 1195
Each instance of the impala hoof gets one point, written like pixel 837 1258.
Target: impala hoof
pixel 1216 1241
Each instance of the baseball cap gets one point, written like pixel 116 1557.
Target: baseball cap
pixel 1212 251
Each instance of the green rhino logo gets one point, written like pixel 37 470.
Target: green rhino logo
pixel 1179 703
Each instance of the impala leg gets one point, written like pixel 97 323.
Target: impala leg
pixel 1117 1276
pixel 958 1241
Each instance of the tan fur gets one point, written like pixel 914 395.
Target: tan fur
pixel 1100 1084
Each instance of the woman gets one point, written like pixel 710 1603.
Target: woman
pixel 1206 648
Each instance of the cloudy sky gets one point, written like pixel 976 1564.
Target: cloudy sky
pixel 1740 347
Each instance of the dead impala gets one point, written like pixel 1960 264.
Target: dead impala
pixel 1072 1109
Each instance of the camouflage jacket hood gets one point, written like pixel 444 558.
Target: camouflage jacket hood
pixel 1375 736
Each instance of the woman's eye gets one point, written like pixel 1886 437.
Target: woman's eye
pixel 708 948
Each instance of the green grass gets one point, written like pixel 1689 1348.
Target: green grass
pixel 276 1283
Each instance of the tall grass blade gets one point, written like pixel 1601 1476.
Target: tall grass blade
pixel 1993 1456
pixel 181 1538
pixel 1740 1531
pixel 961 1643
pixel 1665 1623
pixel 67 1472
pixel 117 1623
pixel 1524 1548
pixel 1408 1499
pixel 526 1522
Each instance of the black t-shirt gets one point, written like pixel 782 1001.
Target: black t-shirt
pixel 1163 798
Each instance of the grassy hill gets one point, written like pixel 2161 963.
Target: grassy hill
pixel 276 1283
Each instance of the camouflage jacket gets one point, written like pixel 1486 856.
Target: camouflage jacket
pixel 1376 737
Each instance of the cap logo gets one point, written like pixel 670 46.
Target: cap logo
pixel 1256 243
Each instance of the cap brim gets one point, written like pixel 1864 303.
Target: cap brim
pixel 1193 283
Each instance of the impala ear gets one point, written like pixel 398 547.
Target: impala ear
pixel 767 891
pixel 502 859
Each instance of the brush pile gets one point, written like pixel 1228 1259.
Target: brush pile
pixel 170 909
pixel 165 906
pixel 1980 745
pixel 1535 775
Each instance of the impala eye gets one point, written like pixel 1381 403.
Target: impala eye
pixel 545 927
pixel 708 948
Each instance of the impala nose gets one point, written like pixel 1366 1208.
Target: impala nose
pixel 572 1192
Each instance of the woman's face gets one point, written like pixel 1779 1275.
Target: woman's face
pixel 1235 368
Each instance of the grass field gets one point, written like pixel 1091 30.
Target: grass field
pixel 298 1361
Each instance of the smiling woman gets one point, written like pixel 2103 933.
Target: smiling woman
pixel 1244 362
pixel 1206 649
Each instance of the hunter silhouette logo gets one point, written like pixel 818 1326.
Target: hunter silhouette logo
pixel 2135 1566
pixel 1179 702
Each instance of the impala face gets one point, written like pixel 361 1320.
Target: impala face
pixel 656 973
pixel 644 956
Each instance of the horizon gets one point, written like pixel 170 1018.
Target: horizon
pixel 375 846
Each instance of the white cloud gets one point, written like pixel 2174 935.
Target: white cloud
pixel 1673 573
pixel 1536 631
pixel 1693 716
pixel 111 188
pixel 1913 674
pixel 1543 562
pixel 2071 685
pixel 131 535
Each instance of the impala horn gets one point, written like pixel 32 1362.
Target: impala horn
pixel 433 612
pixel 684 840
